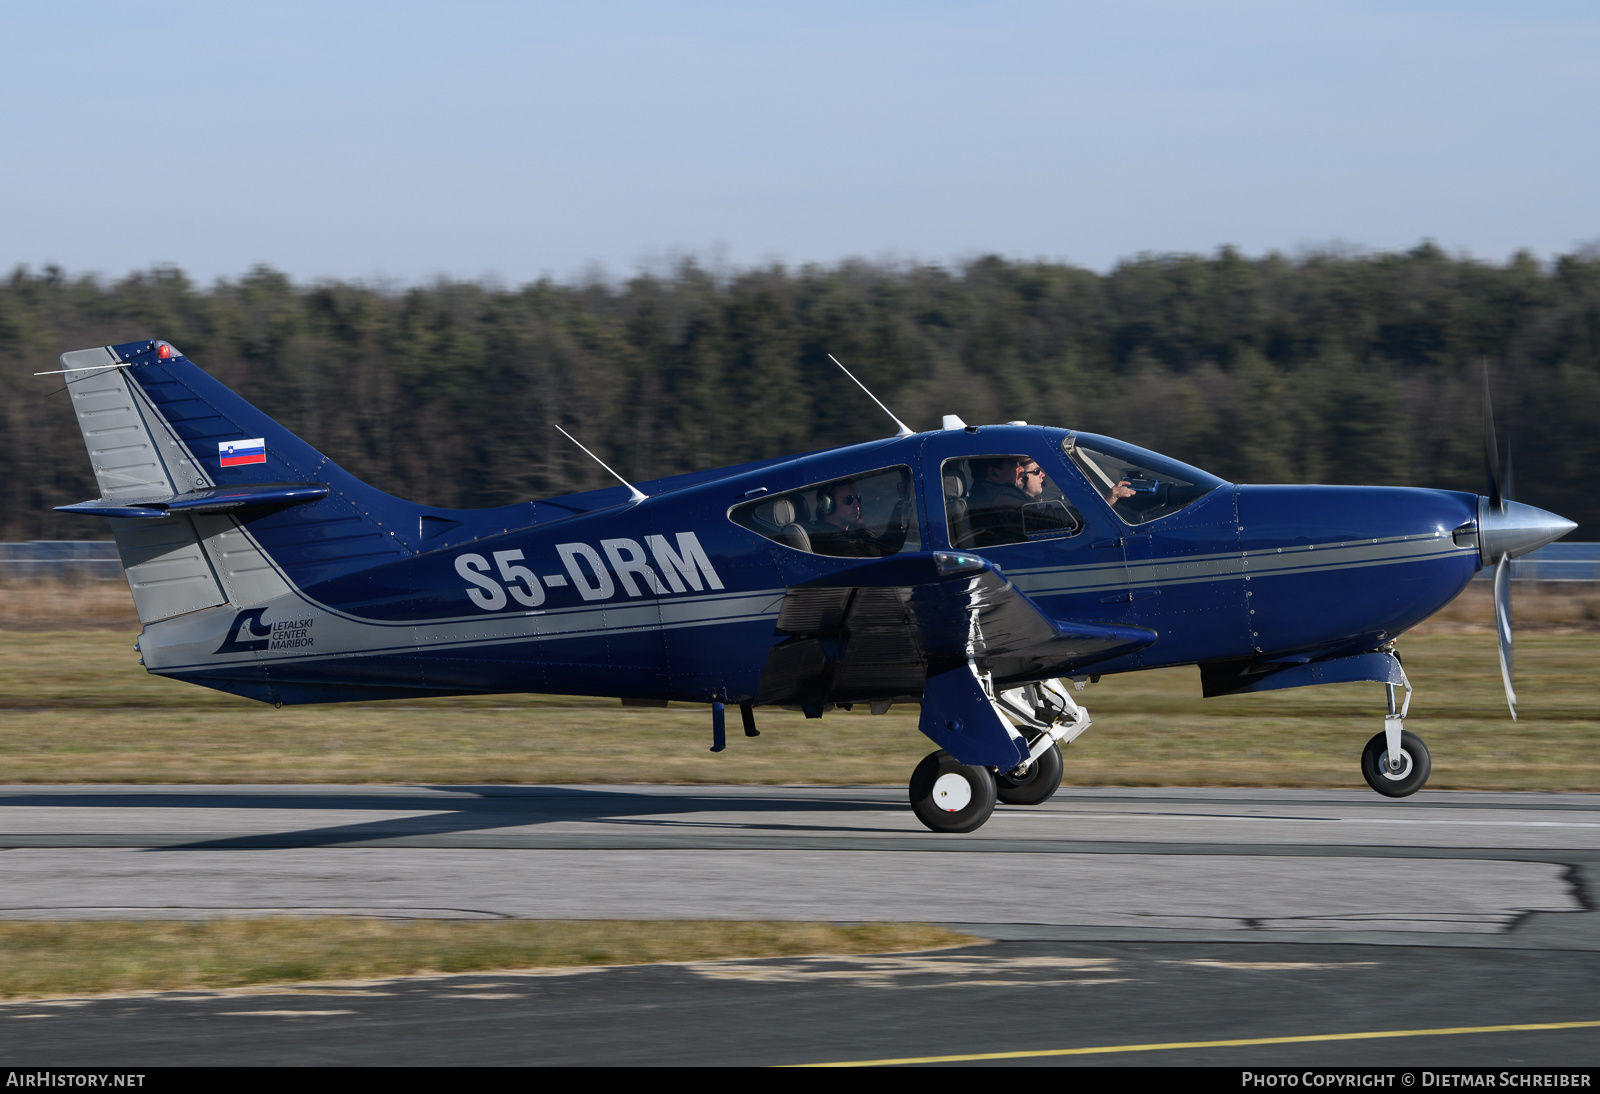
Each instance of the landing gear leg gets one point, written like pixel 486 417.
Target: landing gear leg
pixel 1396 763
pixel 1051 714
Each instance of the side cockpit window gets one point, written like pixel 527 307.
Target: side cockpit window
pixel 994 500
pixel 859 516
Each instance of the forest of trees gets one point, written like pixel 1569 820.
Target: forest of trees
pixel 1332 368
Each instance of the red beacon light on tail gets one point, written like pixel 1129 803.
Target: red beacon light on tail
pixel 163 351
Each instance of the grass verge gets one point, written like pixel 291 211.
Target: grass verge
pixel 76 707
pixel 44 959
pixel 106 604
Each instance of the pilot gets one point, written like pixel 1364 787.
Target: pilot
pixel 842 529
pixel 1002 507
pixel 1001 486
pixel 1032 480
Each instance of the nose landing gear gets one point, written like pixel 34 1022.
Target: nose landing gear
pixel 1395 762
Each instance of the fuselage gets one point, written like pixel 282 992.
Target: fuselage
pixel 670 598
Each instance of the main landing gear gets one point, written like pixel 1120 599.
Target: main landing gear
pixel 950 796
pixel 1396 763
pixel 1036 784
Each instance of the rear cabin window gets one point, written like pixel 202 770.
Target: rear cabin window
pixel 994 500
pixel 869 515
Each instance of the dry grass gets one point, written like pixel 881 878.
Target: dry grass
pixel 1535 606
pixel 76 707
pixel 67 605
pixel 107 605
pixel 96 957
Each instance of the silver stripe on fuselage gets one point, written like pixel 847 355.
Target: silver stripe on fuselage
pixel 1299 559
pixel 723 608
pixel 340 637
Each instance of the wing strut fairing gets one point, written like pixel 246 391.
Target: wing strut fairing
pixel 959 715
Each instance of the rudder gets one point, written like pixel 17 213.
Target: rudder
pixel 136 459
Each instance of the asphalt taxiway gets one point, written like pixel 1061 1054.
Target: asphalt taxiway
pixel 1119 916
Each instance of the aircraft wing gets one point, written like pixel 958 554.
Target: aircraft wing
pixel 879 629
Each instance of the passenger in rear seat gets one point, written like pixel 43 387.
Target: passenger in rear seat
pixel 842 531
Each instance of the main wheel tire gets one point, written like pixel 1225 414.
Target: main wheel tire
pixel 1413 773
pixel 1039 784
pixel 950 796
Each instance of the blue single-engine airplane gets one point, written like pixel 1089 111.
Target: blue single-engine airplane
pixel 985 572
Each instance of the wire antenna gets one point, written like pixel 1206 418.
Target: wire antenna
pixel 905 430
pixel 86 368
pixel 637 495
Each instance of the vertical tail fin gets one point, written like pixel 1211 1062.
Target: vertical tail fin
pixel 167 442
pixel 136 458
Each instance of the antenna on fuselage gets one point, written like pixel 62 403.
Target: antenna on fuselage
pixel 637 494
pixel 905 430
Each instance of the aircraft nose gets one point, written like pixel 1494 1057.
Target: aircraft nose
pixel 1513 529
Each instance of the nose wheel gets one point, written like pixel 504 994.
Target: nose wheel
pixel 1396 776
pixel 950 796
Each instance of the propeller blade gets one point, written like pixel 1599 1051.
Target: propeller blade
pixel 1506 486
pixel 1502 620
pixel 1491 447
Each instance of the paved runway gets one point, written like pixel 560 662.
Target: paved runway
pixel 1171 915
pixel 1497 868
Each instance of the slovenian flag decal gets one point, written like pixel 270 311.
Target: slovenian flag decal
pixel 239 453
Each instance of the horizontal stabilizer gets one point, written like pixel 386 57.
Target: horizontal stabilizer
pixel 219 499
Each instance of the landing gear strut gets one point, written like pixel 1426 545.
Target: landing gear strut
pixel 1396 763
pixel 1047 714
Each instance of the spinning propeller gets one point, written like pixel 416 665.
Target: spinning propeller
pixel 1507 529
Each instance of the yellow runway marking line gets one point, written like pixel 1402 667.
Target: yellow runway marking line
pixel 1448 1031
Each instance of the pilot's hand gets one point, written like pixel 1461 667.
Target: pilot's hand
pixel 1121 490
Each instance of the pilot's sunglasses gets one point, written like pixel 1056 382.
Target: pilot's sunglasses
pixel 1035 471
pixel 849 499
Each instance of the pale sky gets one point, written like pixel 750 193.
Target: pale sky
pixel 406 141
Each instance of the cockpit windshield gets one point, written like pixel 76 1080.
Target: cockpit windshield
pixel 1139 485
